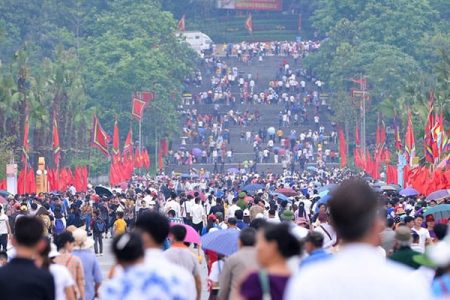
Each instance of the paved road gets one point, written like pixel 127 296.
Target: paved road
pixel 107 261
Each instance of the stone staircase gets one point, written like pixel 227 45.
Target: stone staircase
pixel 269 115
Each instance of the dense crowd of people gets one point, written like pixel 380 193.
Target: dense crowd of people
pixel 261 236
pixel 206 137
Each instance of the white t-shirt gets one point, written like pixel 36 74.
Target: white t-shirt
pixel 424 234
pixel 3 224
pixel 197 213
pixel 63 280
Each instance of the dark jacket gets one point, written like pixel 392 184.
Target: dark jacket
pixel 20 279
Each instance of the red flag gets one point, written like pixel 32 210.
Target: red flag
pixel 137 108
pixel 163 145
pixel 3 184
pixel 115 148
pixel 137 159
pixel 146 159
pixel 26 144
pixel 31 181
pixel 182 24
pixel 428 137
pixel 342 148
pixel 160 161
pixel 56 146
pixel 391 174
pixel 249 23
pixel 409 140
pixel 100 138
pixel 147 96
pixel 128 147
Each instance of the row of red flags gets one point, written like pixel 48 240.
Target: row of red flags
pixel 26 181
pixel 79 179
pixel 122 167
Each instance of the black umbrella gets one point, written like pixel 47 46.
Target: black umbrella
pixel 103 191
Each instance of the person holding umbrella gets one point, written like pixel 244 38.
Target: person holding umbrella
pixel 179 254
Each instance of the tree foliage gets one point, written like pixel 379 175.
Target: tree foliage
pixel 74 58
pixel 401 46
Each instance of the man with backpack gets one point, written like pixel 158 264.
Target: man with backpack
pixel 98 226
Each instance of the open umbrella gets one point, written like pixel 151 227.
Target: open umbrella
pixel 4 193
pixel 287 192
pixel 388 188
pixel 439 211
pixel 323 200
pixel 253 187
pixel 200 194
pixel 233 170
pixel 409 191
pixel 328 187
pixel 221 241
pixel 312 168
pixel 437 195
pixel 192 235
pixel 103 191
pixel 196 152
pixel 280 196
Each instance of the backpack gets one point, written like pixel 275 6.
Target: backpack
pixel 59 226
pixel 99 225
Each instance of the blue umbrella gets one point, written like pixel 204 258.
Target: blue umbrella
pixel 409 191
pixel 323 193
pixel 311 168
pixel 439 211
pixel 221 241
pixel 253 187
pixel 323 200
pixel 328 187
pixel 280 196
pixel 233 170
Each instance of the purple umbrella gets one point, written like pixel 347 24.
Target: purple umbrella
pixel 409 191
pixel 197 152
pixel 440 194
pixel 233 170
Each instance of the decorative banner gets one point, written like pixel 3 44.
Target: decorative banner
pixel 100 138
pixel 182 24
pixel 249 23
pixel 115 148
pixel 128 147
pixel 137 108
pixel 56 146
pixel 410 146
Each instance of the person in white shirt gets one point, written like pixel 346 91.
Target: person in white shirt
pixel 423 233
pixel 198 215
pixel 233 208
pixel 358 270
pixel 173 204
pixel 5 230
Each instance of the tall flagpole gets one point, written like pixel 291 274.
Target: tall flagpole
pixel 156 151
